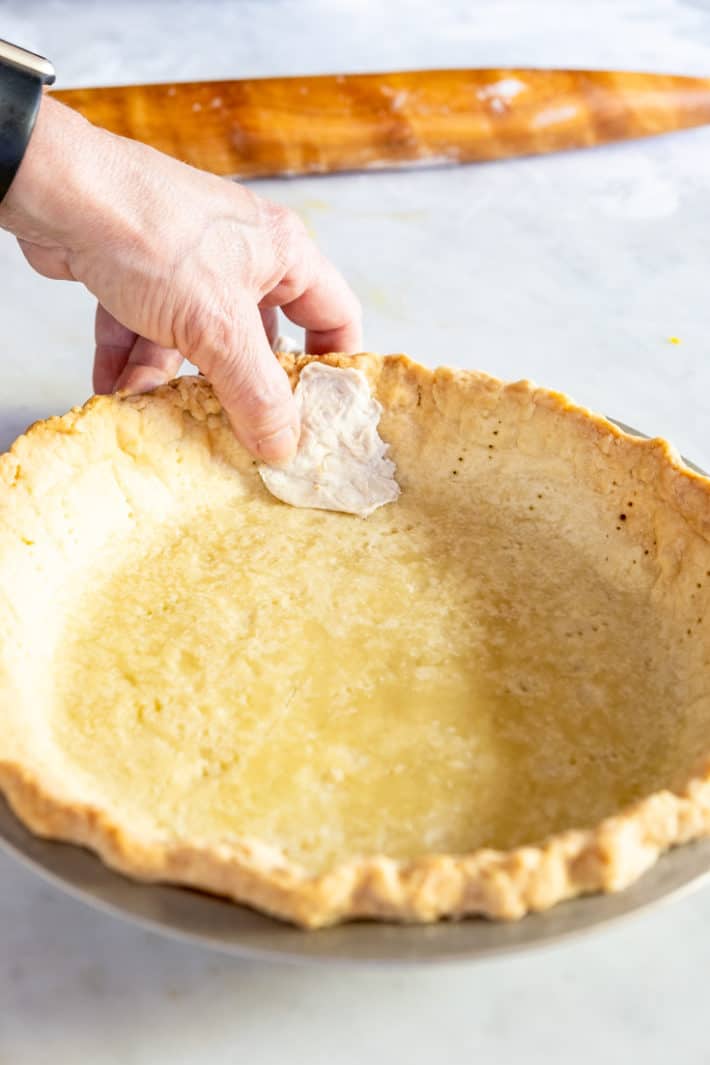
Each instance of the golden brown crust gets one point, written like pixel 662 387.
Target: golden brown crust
pixel 496 884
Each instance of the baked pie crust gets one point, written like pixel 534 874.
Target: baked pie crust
pixel 485 698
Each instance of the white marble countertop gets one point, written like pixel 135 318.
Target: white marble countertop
pixel 573 270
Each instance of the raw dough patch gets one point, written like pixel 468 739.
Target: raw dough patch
pixel 341 461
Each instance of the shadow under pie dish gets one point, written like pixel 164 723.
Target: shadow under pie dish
pixel 485 698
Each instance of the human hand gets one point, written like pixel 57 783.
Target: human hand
pixel 183 264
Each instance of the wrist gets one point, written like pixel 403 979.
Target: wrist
pixel 47 198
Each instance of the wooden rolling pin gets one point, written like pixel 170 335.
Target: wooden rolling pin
pixel 314 125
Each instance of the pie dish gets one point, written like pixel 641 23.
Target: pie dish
pixel 485 698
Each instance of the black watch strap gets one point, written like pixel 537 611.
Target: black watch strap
pixel 22 76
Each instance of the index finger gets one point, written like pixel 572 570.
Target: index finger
pixel 313 294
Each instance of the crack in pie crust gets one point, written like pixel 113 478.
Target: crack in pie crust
pixel 486 698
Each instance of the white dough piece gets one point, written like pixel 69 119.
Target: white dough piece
pixel 287 344
pixel 341 461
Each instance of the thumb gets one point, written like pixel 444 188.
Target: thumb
pixel 253 389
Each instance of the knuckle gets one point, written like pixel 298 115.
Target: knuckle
pixel 356 311
pixel 207 332
pixel 351 302
pixel 288 235
pixel 260 408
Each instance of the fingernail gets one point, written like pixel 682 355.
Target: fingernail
pixel 279 446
